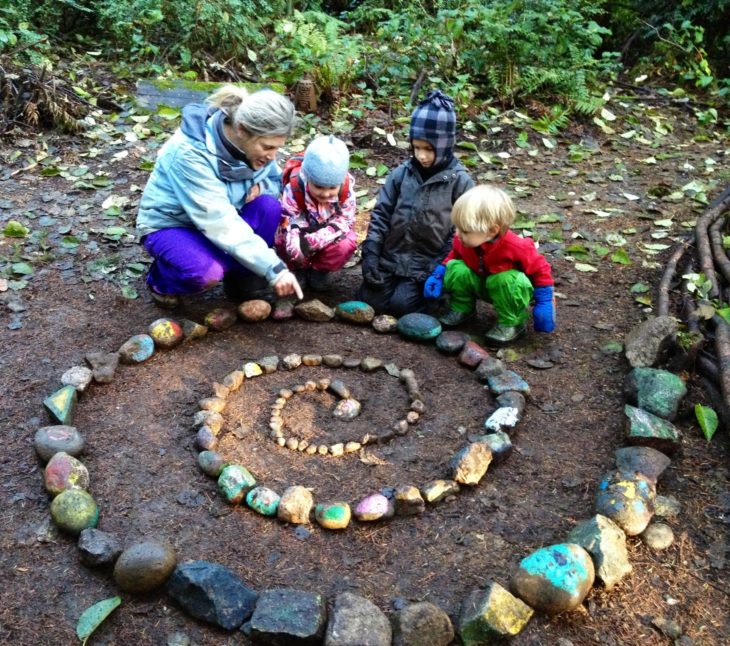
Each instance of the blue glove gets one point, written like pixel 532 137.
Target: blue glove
pixel 435 282
pixel 543 313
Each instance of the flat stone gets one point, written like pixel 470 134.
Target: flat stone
pixel 451 341
pixel 507 381
pixel 193 330
pixel 103 365
pixel 554 579
pixel 503 419
pixel 374 507
pixel 166 333
pixel 491 615
pixel 235 482
pixel 355 312
pixel 419 327
pixel 63 472
pixel 642 459
pixel 499 444
pixel 605 541
pixel 79 377
pixel 263 500
pixel 408 501
pixel 50 440
pixel 627 499
pixel 333 515
pixel 74 510
pixel 254 310
pixel 221 318
pixel 385 324
pixel 437 490
pixel 472 354
pixel 314 310
pixel 62 404
pixel 643 344
pixel 470 463
pixel 371 364
pixel 288 616
pixel 97 548
pixel 211 592
pixel 144 566
pixel 488 367
pixel 645 429
pixel 357 620
pixel 656 391
pixel 296 503
pixel 211 463
pixel 422 624
pixel 137 349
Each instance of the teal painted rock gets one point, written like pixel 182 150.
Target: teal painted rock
pixel 144 566
pixel 355 312
pixel 488 616
pixel 137 349
pixel 645 429
pixel 333 515
pixel 288 616
pixel 419 327
pixel 507 381
pixel 63 472
pixel 235 482
pixel 166 333
pixel 62 404
pixel 469 464
pixel 627 499
pixel 221 318
pixel 295 505
pixel 554 579
pixel 74 510
pixel 656 391
pixel 211 463
pixel 49 440
pixel 437 490
pixel 263 500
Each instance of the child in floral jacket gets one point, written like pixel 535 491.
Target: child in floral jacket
pixel 316 235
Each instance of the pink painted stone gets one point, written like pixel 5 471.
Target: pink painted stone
pixel 63 472
pixel 374 507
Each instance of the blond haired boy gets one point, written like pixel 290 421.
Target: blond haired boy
pixel 488 261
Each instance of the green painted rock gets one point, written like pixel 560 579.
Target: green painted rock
pixel 62 404
pixel 263 500
pixel 74 510
pixel 355 312
pixel 49 440
pixel 419 327
pixel 656 391
pixel 490 615
pixel 166 333
pixel 137 349
pixel 333 515
pixel 63 472
pixel 645 429
pixel 144 566
pixel 235 482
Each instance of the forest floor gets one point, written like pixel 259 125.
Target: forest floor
pixel 606 209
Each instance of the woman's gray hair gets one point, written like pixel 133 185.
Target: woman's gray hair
pixel 262 113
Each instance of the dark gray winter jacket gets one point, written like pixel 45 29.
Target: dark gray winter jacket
pixel 411 221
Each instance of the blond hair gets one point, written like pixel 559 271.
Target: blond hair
pixel 261 113
pixel 482 208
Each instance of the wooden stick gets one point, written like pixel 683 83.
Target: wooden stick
pixel 663 289
pixel 718 251
pixel 722 350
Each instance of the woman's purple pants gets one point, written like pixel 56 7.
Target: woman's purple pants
pixel 186 262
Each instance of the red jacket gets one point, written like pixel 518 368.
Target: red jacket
pixel 508 251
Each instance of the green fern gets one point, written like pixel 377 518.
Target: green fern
pixel 553 122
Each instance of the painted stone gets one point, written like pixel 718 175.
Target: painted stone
pixel 314 310
pixel 499 444
pixel 506 381
pixel 504 418
pixel 355 312
pixel 437 490
pixel 211 463
pixel 62 404
pixel 103 365
pixel 656 391
pixel 288 616
pixel 220 318
pixel 296 503
pixel 554 579
pixel 144 566
pixel 347 409
pixel 627 499
pixel 255 310
pixel 385 324
pixel 49 440
pixel 488 616
pixel 419 327
pixel 166 333
pixel 79 377
pixel 137 349
pixel 374 507
pixel 263 500
pixel 469 464
pixel 472 354
pixel 74 510
pixel 63 472
pixel 283 309
pixel 422 624
pixel 333 515
pixel 252 369
pixel 193 330
pixel 605 541
pixel 645 429
pixel 97 548
pixel 235 482
pixel 354 617
pixel 408 501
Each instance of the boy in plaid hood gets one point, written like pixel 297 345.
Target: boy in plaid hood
pixel 410 229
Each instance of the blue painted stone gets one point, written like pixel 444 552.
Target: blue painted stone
pixel 263 500
pixel 554 579
pixel 355 312
pixel 62 404
pixel 506 381
pixel 419 327
pixel 627 499
pixel 235 482
pixel 137 349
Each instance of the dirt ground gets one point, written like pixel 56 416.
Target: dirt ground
pixel 140 443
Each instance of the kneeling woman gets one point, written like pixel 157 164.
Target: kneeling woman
pixel 210 209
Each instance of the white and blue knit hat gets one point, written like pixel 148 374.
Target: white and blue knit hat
pixel 326 161
pixel 434 121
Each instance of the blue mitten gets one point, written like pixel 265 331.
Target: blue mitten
pixel 543 313
pixel 435 282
